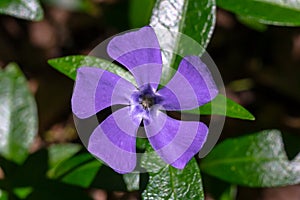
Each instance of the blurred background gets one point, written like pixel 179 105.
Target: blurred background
pixel 260 66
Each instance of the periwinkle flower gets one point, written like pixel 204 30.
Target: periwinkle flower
pixel 114 140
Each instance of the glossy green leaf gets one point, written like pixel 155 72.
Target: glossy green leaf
pixel 24 9
pixel 167 182
pixel 295 165
pixel 69 65
pixel 194 18
pixel 171 183
pixel 132 181
pixel 223 106
pixel 276 12
pixel 18 119
pixel 257 160
pixel 79 170
pixel 140 12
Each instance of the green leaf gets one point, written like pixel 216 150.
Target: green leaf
pixel 69 65
pixel 253 24
pixel 29 179
pixel 18 119
pixel 23 192
pixel 72 163
pixel 60 152
pixel 140 12
pixel 218 189
pixel 24 9
pixel 86 6
pixel 79 170
pixel 141 143
pixel 169 182
pixel 83 175
pixel 222 106
pixel 3 195
pixel 132 181
pixel 194 18
pixel 275 12
pixel 295 165
pixel 257 160
pixel 229 194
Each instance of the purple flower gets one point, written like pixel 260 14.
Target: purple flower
pixel 114 140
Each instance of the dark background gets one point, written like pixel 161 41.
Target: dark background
pixel 261 71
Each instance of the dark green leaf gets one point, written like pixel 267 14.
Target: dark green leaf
pixel 223 106
pixel 79 170
pixel 72 163
pixel 83 175
pixel 276 12
pixel 257 160
pixel 291 142
pixel 193 18
pixel 216 188
pixel 3 195
pixel 86 6
pixel 60 152
pixel 29 181
pixel 23 192
pixel 69 65
pixel 253 24
pixel 229 194
pixel 141 143
pixel 24 9
pixel 171 183
pixel 18 119
pixel 140 12
pixel 8 167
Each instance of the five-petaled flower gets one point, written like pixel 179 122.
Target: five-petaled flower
pixel 114 140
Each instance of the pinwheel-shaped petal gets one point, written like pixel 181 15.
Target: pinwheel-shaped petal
pixel 114 140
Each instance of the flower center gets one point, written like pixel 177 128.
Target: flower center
pixel 144 103
pixel 147 101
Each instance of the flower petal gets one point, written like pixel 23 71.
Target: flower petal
pixel 191 86
pixel 138 49
pixel 176 142
pixel 113 141
pixel 96 89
